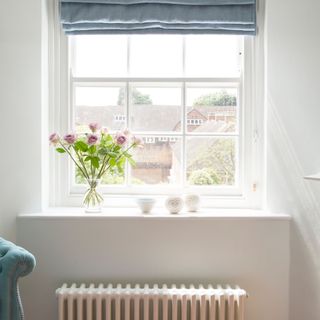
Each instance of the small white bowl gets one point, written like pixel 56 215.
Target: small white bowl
pixel 146 204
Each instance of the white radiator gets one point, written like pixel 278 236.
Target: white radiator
pixel 150 303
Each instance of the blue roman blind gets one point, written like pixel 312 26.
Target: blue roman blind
pixel 158 16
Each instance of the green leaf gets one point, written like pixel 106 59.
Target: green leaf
pixel 92 149
pixel 87 158
pixel 127 154
pixel 60 150
pixel 120 166
pixel 131 161
pixel 81 146
pixel 103 151
pixel 109 138
pixel 112 162
pixel 95 162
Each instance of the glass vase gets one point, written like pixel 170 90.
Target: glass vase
pixel 93 200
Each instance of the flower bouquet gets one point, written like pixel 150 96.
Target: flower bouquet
pixel 95 154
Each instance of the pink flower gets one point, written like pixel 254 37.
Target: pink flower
pixel 70 138
pixel 137 142
pixel 126 132
pixel 121 139
pixel 105 130
pixel 54 138
pixel 92 139
pixel 94 126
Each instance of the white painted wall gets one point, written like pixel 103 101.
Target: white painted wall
pixel 20 103
pixel 293 94
pixel 251 252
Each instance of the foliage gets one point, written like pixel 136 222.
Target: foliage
pixel 96 154
pixel 205 176
pixel 136 95
pixel 213 164
pixel 220 98
pixel 200 177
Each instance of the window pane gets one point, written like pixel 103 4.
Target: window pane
pixel 100 56
pixel 159 162
pixel 212 56
pixel 211 109
pixel 104 105
pixel 155 109
pixel 155 56
pixel 211 161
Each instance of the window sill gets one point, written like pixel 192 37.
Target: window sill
pixel 157 213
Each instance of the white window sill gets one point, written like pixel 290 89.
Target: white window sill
pixel 157 213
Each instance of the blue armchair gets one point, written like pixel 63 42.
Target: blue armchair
pixel 15 262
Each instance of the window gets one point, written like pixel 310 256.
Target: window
pixel 188 97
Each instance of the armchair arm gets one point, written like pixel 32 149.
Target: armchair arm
pixel 15 262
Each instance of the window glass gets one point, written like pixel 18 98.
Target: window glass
pixel 155 108
pixel 159 162
pixel 212 56
pixel 179 93
pixel 99 56
pixel 211 109
pixel 155 56
pixel 104 105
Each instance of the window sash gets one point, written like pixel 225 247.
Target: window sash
pixel 183 83
pixel 62 193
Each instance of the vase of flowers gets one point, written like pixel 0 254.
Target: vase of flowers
pixel 94 154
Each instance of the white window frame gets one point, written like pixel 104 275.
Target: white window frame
pixel 249 193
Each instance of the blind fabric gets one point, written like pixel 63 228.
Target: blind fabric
pixel 158 16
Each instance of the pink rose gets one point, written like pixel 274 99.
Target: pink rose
pixel 94 126
pixel 137 142
pixel 105 130
pixel 70 138
pixel 121 139
pixel 54 138
pixel 92 139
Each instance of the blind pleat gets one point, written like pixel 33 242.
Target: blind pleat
pixel 178 2
pixel 158 16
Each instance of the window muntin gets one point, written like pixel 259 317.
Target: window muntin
pixel 180 108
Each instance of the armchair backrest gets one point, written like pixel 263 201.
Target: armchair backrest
pixel 15 262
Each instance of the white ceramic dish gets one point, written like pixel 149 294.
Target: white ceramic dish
pixel 146 204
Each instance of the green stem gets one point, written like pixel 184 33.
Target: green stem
pixel 75 162
pixel 106 169
pixel 82 162
pixel 104 163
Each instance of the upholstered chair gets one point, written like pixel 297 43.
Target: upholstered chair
pixel 15 262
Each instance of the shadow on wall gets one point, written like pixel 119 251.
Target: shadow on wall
pixel 288 192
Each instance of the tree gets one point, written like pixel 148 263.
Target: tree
pixel 220 98
pixel 201 177
pixel 137 97
pixel 213 164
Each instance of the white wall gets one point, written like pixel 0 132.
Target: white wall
pixel 293 93
pixel 250 252
pixel 20 103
